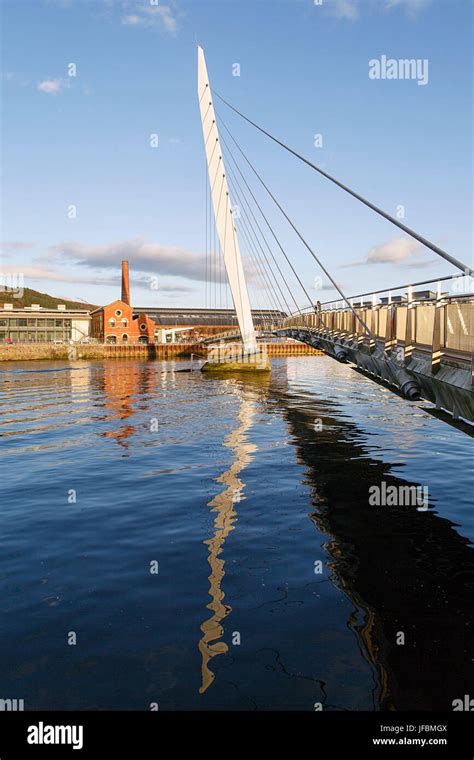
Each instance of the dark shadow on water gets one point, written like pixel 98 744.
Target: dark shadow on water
pixel 409 570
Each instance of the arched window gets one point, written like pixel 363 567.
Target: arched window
pixel 124 322
pixel 125 338
pixel 111 339
pixel 112 322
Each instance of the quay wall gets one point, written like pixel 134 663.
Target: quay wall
pixel 48 351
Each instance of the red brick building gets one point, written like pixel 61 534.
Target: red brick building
pixel 115 322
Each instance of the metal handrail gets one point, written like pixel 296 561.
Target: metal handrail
pixel 398 287
pixel 395 303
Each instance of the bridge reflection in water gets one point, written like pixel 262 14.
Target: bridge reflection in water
pixel 406 570
pixel 226 515
pixel 402 569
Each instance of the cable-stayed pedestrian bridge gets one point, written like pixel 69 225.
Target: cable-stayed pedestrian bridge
pixel 417 338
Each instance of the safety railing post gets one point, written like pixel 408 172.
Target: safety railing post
pixel 436 345
pixel 410 327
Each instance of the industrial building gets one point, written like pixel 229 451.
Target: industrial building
pixel 119 323
pixel 116 323
pixel 34 324
pixel 202 318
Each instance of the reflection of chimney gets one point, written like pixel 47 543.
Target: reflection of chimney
pixel 125 283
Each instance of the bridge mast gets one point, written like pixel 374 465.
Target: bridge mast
pixel 222 209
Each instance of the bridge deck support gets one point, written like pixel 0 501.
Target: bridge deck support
pixel 449 387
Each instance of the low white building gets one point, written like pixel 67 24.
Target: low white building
pixel 36 324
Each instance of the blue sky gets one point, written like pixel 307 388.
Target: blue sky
pixel 84 140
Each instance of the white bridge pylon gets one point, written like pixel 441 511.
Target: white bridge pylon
pixel 221 204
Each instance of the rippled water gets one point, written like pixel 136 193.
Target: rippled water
pixel 173 522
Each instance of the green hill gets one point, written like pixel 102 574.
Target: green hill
pixel 30 297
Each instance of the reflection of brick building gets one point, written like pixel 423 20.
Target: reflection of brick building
pixel 115 322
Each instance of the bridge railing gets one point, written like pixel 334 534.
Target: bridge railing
pixel 448 320
pixel 429 319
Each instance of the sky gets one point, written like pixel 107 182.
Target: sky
pixel 86 84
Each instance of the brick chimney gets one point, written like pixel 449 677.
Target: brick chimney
pixel 125 283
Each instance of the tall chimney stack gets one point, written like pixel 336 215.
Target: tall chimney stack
pixel 125 283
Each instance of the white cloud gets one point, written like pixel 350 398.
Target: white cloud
pixel 39 273
pixel 146 13
pixel 393 252
pixel 145 283
pixel 42 273
pixel 151 15
pixel 351 9
pixel 347 9
pixel 50 86
pixel 401 251
pixel 412 7
pixel 143 257
pixel 167 18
